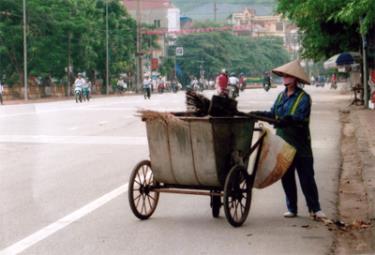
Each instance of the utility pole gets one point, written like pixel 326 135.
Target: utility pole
pixel 139 75
pixel 69 63
pixel 106 49
pixel 24 52
pixel 215 11
pixel 366 95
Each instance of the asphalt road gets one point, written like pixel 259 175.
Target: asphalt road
pixel 64 169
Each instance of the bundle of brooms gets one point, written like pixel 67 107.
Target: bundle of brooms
pixel 199 106
pixel 218 106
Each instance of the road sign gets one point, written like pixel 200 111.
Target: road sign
pixel 154 63
pixel 179 51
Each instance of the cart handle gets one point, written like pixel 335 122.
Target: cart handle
pixel 255 145
pixel 261 118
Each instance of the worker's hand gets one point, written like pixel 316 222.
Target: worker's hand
pixel 285 122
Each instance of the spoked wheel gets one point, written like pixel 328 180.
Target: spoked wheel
pixel 215 205
pixel 237 196
pixel 142 199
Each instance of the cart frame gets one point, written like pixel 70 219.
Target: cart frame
pixel 234 191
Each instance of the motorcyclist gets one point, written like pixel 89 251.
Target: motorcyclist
pixel 195 84
pixel 266 81
pixel 121 84
pixel 222 83
pixel 174 86
pixel 234 83
pixel 78 85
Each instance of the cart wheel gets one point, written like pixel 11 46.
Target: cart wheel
pixel 237 196
pixel 215 205
pixel 142 199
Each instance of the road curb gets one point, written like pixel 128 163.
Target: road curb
pixel 363 138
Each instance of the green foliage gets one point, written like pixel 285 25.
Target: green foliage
pixel 167 68
pixel 329 26
pixel 65 29
pixel 217 50
pixel 358 9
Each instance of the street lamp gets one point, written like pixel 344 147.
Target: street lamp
pixel 24 51
pixel 107 47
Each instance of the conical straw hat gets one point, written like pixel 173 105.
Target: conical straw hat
pixel 293 69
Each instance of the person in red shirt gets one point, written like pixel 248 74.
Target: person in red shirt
pixel 222 82
pixel 334 81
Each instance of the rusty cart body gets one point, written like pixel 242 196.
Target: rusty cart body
pixel 199 156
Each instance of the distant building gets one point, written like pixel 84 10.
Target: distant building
pixel 247 23
pixel 162 14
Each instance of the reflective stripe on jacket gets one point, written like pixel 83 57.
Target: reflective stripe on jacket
pixel 298 106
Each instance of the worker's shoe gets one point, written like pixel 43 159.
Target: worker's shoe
pixel 289 214
pixel 319 215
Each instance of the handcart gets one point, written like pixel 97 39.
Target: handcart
pixel 198 156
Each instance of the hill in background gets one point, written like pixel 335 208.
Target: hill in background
pixel 199 10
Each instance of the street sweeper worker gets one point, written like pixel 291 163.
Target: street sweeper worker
pixel 292 108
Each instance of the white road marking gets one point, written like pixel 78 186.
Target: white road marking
pixel 45 232
pixel 108 140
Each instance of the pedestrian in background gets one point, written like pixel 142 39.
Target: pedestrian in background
pixel 292 108
pixel 147 83
pixel 334 81
pixel 1 93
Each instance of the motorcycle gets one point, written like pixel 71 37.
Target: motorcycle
pixel 266 86
pixel 174 87
pixel 233 91
pixel 196 87
pixel 78 94
pixel 161 88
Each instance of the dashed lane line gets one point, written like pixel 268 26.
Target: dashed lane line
pixel 60 224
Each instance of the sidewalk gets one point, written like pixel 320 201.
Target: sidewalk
pixel 364 123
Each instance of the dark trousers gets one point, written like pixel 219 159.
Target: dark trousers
pixel 147 92
pixel 1 98
pixel 305 170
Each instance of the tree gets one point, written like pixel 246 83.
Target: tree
pixel 62 33
pixel 11 59
pixel 329 27
pixel 217 50
pixel 360 12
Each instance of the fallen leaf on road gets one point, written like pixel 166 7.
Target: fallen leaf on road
pixel 360 224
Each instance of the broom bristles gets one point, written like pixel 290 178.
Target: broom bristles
pixel 165 117
pixel 197 103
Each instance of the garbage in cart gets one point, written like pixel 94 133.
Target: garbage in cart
pixel 204 151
